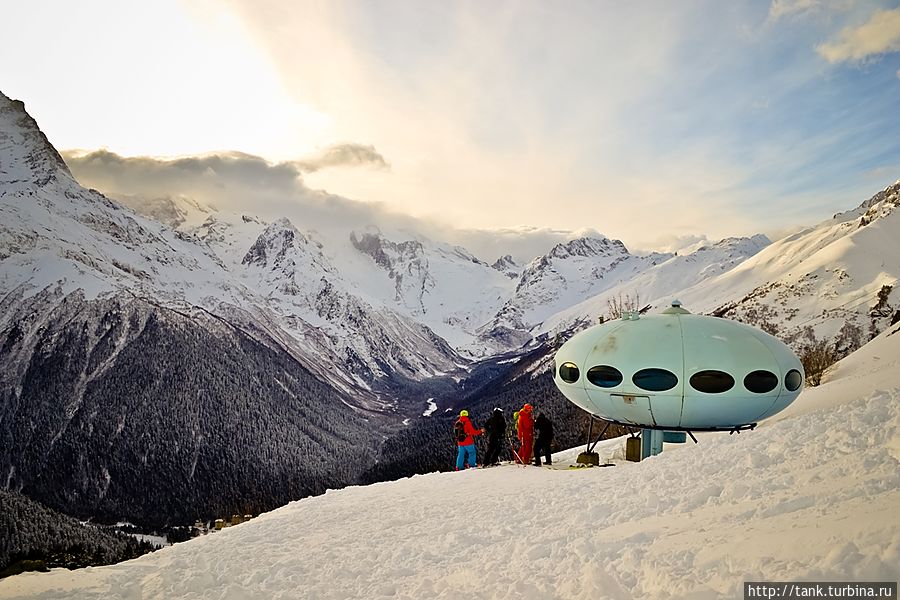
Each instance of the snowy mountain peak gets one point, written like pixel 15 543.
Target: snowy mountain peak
pixel 564 277
pixel 881 204
pixel 384 252
pixel 28 156
pixel 405 263
pixel 274 244
pixel 507 266
pixel 889 195
pixel 745 246
pixel 595 254
pixel 588 246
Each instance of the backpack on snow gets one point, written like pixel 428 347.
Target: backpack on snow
pixel 459 430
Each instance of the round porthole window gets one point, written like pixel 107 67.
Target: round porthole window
pixel 568 372
pixel 793 380
pixel 712 382
pixel 604 376
pixel 655 380
pixel 760 382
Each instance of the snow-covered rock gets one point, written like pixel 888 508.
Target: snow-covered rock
pixel 56 232
pixel 569 274
pixel 442 286
pixel 270 277
pixel 658 283
pixel 174 211
pixel 506 265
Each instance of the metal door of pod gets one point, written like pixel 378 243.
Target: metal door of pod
pixel 678 371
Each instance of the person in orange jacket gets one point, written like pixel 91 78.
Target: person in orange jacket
pixel 465 440
pixel 525 431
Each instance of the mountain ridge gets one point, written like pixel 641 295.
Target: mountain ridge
pixel 331 335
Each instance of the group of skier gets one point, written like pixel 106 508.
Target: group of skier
pixel 529 448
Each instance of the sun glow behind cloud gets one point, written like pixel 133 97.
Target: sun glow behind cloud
pixel 522 114
pixel 155 78
pixel 642 122
pixel 649 123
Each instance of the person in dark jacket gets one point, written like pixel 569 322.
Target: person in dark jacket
pixel 544 428
pixel 496 430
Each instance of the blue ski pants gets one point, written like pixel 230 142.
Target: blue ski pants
pixel 465 455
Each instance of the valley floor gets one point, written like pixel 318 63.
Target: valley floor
pixel 810 496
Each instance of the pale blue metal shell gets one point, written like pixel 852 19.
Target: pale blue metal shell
pixel 683 344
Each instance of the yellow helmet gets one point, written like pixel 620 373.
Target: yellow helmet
pixel 464 413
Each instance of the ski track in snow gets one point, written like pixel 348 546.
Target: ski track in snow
pixel 813 497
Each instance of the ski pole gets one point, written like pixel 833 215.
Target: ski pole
pixel 518 459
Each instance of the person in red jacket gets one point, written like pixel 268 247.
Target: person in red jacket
pixel 465 439
pixel 525 431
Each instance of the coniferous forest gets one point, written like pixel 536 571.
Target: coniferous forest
pixel 126 411
pixel 37 538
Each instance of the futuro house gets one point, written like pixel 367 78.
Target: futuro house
pixel 678 371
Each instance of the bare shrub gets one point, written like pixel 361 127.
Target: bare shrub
pixel 619 306
pixel 816 357
pixel 849 339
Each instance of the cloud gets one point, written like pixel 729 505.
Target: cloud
pixel 689 119
pixel 343 155
pixel 680 243
pixel 879 35
pixel 119 174
pixel 523 243
pixel 232 181
pixel 789 8
pixel 247 184
pixel 598 116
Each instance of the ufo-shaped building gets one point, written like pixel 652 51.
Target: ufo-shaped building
pixel 678 371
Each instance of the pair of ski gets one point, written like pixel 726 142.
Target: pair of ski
pixel 518 458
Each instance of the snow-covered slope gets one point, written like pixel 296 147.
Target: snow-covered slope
pixel 444 287
pixel 54 233
pixel 827 282
pixel 811 496
pixel 416 282
pixel 567 275
pixel 299 282
pixel 660 281
pixel 834 283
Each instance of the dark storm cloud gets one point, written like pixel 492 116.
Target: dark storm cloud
pixel 343 155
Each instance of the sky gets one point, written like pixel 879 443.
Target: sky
pixel 658 123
